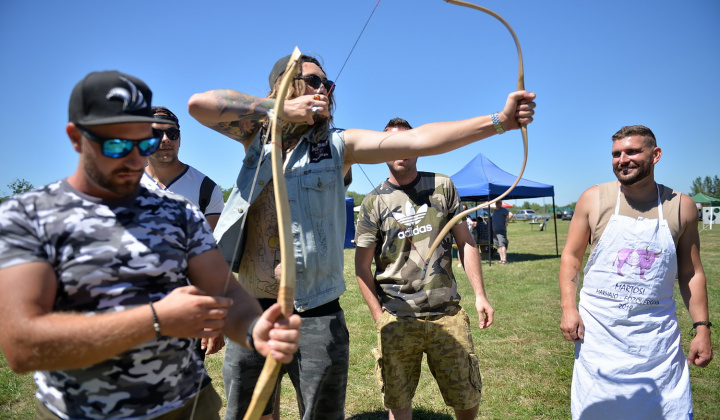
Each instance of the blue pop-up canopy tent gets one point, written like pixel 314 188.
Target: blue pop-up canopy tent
pixel 482 180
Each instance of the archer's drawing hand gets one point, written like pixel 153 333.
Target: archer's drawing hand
pixel 306 108
pixel 572 325
pixel 519 110
pixel 276 335
pixel 188 312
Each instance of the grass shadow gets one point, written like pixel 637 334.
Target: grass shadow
pixel 417 414
pixel 520 257
pixel 513 257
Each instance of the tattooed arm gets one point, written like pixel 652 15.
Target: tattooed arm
pixel 238 115
pixel 231 113
pixel 571 260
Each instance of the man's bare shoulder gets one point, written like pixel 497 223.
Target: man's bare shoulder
pixel 688 211
pixel 589 198
pixel 587 208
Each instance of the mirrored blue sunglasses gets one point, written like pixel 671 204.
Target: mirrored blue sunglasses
pixel 118 148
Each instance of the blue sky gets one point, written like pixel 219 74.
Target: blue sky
pixel 595 66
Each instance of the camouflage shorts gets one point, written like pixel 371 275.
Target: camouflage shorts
pixel 447 342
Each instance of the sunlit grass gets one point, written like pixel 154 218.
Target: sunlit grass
pixel 525 362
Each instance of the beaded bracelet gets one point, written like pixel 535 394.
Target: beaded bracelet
pixel 695 325
pixel 156 322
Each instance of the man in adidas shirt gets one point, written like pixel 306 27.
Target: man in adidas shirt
pixel 398 222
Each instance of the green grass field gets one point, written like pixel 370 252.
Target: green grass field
pixel 525 361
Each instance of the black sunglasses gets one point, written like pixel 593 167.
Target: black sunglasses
pixel 118 148
pixel 314 81
pixel 171 133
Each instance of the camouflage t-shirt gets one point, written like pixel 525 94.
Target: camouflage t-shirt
pixel 401 223
pixel 111 256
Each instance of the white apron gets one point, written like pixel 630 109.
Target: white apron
pixel 630 364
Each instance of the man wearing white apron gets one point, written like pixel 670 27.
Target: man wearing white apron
pixel 629 363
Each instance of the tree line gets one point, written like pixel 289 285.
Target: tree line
pixel 707 185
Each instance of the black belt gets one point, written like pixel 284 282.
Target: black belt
pixel 322 310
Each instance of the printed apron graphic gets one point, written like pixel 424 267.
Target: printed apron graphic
pixel 641 258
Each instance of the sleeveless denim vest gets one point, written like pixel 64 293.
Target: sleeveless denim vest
pixel 317 208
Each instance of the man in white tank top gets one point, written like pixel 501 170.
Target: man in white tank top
pixel 628 358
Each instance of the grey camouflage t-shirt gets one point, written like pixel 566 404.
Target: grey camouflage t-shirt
pixel 401 223
pixel 110 256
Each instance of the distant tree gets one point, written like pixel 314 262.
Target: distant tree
pixel 708 186
pixel 17 187
pixel 357 198
pixel 20 186
pixel 226 193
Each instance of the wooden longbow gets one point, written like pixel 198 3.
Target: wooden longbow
pixel 286 293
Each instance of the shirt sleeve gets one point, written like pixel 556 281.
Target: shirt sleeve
pixel 453 200
pixel 200 238
pixel 367 230
pixel 19 240
pixel 217 204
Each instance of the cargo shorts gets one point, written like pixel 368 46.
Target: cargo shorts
pixel 447 342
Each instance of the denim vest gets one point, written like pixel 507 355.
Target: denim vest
pixel 314 177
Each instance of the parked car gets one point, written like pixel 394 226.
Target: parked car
pixel 567 214
pixel 525 214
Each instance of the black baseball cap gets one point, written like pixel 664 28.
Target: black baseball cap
pixel 110 97
pixel 280 66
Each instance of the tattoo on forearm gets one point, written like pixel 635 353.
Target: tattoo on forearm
pixel 246 113
pixel 243 106
pixel 239 129
pixel 576 277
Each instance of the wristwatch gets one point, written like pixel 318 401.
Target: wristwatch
pixel 496 123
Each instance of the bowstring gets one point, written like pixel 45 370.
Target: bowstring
pixel 362 31
pixel 375 186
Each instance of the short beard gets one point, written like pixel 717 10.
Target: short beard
pixel 319 119
pixel 641 173
pixel 123 189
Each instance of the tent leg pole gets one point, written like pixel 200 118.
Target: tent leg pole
pixel 554 216
pixel 490 239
